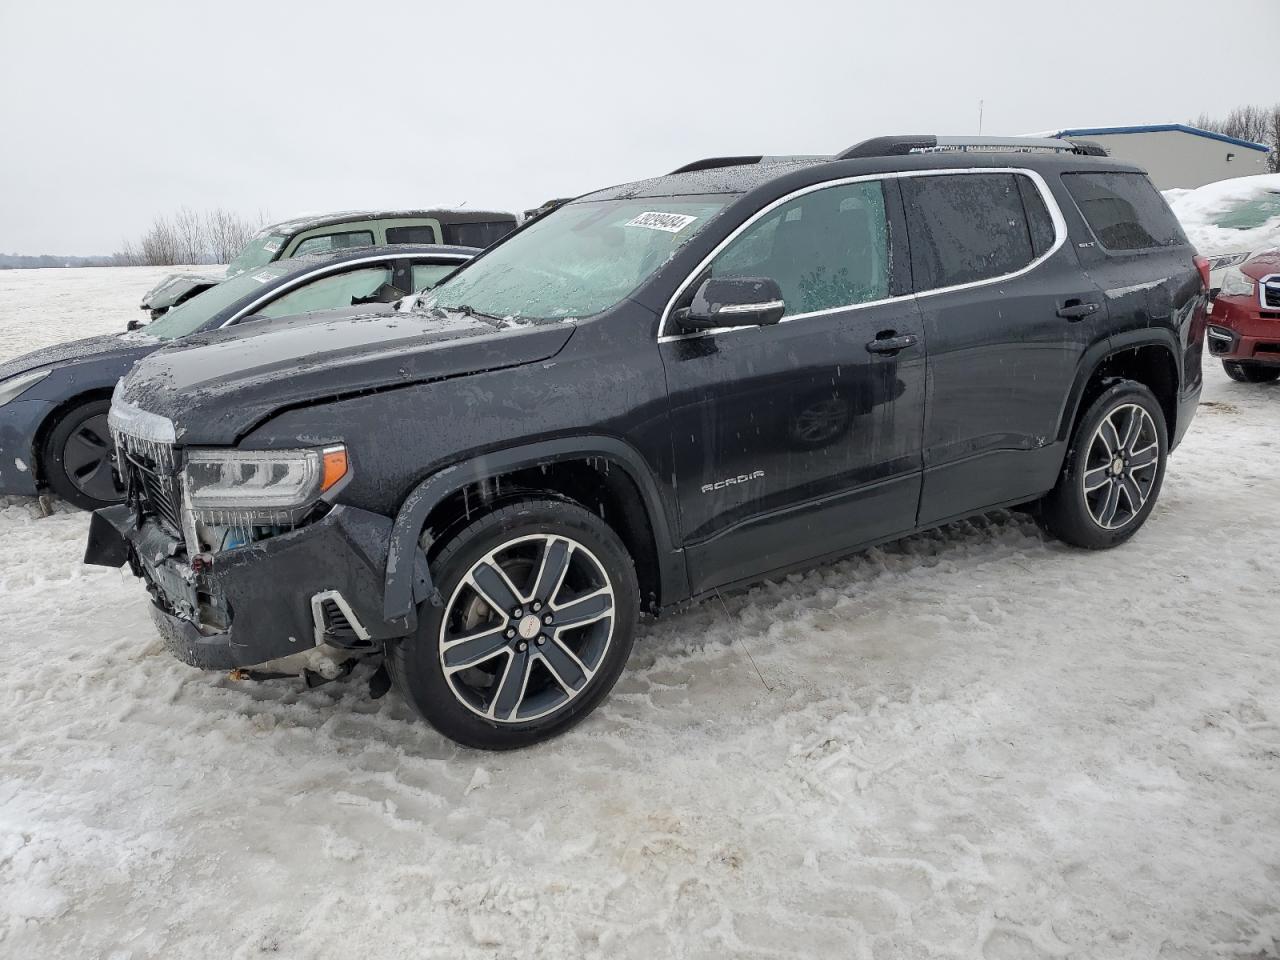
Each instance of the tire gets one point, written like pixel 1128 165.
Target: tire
pixel 1093 505
pixel 1250 372
pixel 569 671
pixel 79 459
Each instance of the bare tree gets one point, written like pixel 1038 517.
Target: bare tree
pixel 189 240
pixel 227 233
pixel 1256 124
pixel 188 237
pixel 160 244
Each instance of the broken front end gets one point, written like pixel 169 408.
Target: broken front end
pixel 248 561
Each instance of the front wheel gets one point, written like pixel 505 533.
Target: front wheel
pixel 1113 470
pixel 80 459
pixel 540 604
pixel 1250 372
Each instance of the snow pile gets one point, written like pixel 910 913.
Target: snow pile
pixel 970 743
pixel 1201 208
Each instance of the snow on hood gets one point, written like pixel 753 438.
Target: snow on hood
pixel 216 387
pixel 1198 210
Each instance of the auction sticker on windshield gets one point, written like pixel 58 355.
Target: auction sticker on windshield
pixel 670 222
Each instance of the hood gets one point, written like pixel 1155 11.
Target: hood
pixel 90 348
pixel 1262 265
pixel 175 286
pixel 216 387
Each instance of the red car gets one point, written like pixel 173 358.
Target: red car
pixel 1244 320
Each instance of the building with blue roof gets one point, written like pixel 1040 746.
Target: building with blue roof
pixel 1178 155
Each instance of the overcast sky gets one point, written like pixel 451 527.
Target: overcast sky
pixel 112 112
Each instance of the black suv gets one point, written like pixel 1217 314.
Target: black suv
pixel 655 392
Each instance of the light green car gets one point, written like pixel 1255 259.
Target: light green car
pixel 337 231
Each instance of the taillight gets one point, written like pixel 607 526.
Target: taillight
pixel 1202 264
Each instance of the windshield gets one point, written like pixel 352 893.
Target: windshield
pixel 258 251
pixel 1251 213
pixel 578 260
pixel 190 316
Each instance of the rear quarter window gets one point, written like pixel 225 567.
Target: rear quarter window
pixel 1124 211
pixel 417 233
pixel 481 234
pixel 965 227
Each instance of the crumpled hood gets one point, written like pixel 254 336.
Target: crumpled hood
pixel 90 347
pixel 216 387
pixel 176 285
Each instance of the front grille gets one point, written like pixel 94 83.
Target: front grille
pixel 159 495
pixel 151 476
pixel 1271 293
pixel 145 449
pixel 1267 348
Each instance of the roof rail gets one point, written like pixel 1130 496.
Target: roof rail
pixel 710 163
pixel 901 146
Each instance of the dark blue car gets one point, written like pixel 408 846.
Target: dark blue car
pixel 53 402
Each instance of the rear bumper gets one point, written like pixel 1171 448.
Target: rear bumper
pixel 255 603
pixel 20 421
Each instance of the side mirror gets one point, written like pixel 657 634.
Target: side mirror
pixel 733 302
pixel 133 325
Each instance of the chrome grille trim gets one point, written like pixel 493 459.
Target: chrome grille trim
pixel 1269 292
pixel 145 450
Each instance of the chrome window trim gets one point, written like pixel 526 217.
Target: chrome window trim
pixel 752 307
pixel 336 268
pixel 1050 202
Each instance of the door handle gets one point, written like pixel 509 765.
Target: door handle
pixel 889 343
pixel 1077 310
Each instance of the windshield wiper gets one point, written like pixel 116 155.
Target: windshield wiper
pixel 470 311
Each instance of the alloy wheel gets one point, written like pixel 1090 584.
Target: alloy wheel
pixel 1121 466
pixel 89 460
pixel 527 628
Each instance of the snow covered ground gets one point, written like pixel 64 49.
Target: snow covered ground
pixel 974 743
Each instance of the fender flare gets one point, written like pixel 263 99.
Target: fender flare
pixel 408 578
pixel 1100 352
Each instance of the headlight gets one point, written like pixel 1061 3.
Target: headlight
pixel 15 385
pixel 1236 284
pixel 244 486
pixel 1228 260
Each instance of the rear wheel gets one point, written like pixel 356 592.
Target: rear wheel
pixel 80 458
pixel 1113 470
pixel 539 609
pixel 1250 372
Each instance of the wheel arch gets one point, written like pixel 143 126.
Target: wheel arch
pixel 41 436
pixel 557 467
pixel 1149 357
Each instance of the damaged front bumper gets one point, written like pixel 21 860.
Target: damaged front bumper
pixel 321 583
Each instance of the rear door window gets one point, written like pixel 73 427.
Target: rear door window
pixel 1124 211
pixel 334 241
pixel 481 234
pixel 965 227
pixel 418 233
